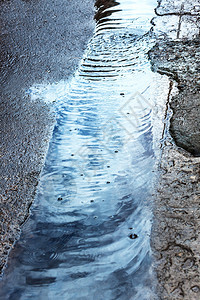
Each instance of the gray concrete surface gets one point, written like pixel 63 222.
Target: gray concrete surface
pixel 176 228
pixel 40 42
pixel 181 60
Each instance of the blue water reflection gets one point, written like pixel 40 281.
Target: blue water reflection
pixel 88 234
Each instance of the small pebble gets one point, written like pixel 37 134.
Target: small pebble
pixel 195 289
pixel 193 178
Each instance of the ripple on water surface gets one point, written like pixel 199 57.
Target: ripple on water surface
pixel 88 234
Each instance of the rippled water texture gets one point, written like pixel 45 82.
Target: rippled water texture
pixel 88 236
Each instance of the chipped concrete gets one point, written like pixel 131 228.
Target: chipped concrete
pixel 176 229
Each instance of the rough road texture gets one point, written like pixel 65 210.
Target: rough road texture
pixel 40 42
pixel 176 229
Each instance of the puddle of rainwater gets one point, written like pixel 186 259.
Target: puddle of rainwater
pixel 88 236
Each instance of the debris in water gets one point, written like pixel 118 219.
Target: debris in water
pixel 133 236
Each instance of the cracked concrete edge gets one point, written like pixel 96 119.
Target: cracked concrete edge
pixel 175 235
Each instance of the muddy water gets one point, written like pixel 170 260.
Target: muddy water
pixel 88 236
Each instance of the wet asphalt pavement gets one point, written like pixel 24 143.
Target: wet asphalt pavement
pixel 40 42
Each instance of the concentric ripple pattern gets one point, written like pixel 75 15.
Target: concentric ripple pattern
pixel 88 236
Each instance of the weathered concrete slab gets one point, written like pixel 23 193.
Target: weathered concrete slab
pixel 181 59
pixel 176 228
pixel 177 6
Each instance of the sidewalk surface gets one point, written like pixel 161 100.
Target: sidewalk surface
pixel 176 228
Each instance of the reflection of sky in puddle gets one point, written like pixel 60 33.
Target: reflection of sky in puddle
pixel 91 220
pixel 132 8
pixel 128 15
pixel 139 25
